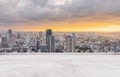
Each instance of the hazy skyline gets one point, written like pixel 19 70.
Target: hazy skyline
pixel 60 15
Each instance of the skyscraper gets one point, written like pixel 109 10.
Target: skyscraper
pixel 70 43
pixel 11 38
pixel 37 45
pixel 50 41
pixel 18 35
pixel 0 39
pixel 40 35
pixel 10 33
pixel 48 32
pixel 4 43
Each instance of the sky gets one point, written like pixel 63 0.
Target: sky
pixel 60 15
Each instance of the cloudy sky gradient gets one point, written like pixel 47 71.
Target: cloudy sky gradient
pixel 60 15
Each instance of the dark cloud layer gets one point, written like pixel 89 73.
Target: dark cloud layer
pixel 24 11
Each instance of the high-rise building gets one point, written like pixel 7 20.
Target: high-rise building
pixel 10 33
pixel 10 38
pixel 40 35
pixel 70 43
pixel 4 43
pixel 18 35
pixel 48 32
pixel 52 44
pixel 37 44
pixel 50 41
pixel 0 40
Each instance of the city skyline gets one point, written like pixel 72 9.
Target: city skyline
pixel 60 15
pixel 53 42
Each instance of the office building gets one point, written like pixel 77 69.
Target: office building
pixel 70 43
pixel 50 41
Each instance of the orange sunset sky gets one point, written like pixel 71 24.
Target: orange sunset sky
pixel 60 15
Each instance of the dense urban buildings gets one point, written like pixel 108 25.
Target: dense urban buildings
pixel 48 41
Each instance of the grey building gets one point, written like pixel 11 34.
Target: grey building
pixel 70 43
pixel 50 41
pixel 4 43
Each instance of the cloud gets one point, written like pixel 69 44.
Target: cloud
pixel 26 11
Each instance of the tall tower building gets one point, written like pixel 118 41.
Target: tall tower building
pixel 48 32
pixel 37 44
pixel 40 35
pixel 18 36
pixel 50 41
pixel 10 38
pixel 70 43
pixel 10 33
pixel 0 40
pixel 4 43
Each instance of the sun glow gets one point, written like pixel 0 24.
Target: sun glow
pixel 68 28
